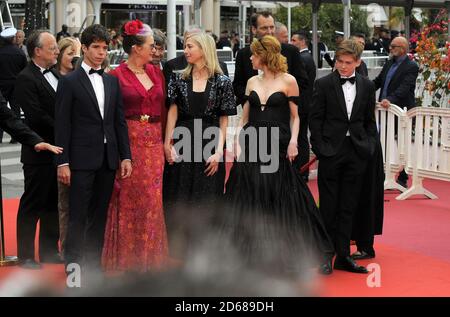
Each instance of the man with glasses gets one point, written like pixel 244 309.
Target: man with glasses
pixel 160 47
pixel 35 93
pixel 397 81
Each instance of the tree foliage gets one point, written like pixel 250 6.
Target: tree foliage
pixel 331 18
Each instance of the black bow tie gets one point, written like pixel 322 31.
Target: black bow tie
pixel 349 79
pixel 48 70
pixel 98 71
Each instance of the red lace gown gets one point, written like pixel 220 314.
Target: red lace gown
pixel 135 235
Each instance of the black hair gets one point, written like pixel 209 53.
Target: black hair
pixel 94 33
pixel 130 40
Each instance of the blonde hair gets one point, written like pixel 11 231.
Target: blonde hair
pixel 269 50
pixel 350 47
pixel 208 47
pixel 64 44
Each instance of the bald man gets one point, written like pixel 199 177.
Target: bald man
pixel 397 82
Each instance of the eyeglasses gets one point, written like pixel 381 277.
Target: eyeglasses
pixel 394 46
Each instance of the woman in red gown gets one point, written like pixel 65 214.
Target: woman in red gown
pixel 135 236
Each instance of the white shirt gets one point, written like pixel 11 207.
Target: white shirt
pixel 51 79
pixel 99 88
pixel 349 90
pixel 304 49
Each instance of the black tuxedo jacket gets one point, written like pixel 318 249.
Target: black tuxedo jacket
pixel 244 69
pixel 179 63
pixel 15 127
pixel 80 128
pixel 329 122
pixel 402 85
pixel 36 97
pixel 311 71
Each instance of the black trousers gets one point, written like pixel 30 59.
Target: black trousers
pixel 38 202
pixel 340 179
pixel 90 193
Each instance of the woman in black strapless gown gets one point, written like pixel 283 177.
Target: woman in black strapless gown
pixel 271 217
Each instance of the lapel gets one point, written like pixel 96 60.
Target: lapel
pixel 399 71
pixel 107 88
pixel 43 80
pixel 339 92
pixel 359 93
pixel 86 83
pixel 388 66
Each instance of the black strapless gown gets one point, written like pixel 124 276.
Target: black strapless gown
pixel 271 219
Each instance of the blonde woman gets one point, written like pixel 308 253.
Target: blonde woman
pixel 271 216
pixel 69 52
pixel 200 100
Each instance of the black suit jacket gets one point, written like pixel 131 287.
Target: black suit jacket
pixel 244 69
pixel 12 62
pixel 80 129
pixel 15 127
pixel 401 89
pixel 306 95
pixel 179 63
pixel 36 97
pixel 328 120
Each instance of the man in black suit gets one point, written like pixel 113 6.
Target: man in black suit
pixel 91 126
pixel 35 93
pixel 264 24
pixel 300 40
pixel 343 132
pixel 180 62
pixel 397 81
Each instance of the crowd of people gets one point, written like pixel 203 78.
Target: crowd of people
pixel 136 178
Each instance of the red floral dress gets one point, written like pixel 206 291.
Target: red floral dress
pixel 135 235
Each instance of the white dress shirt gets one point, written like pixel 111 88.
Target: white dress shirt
pixel 51 79
pixel 349 90
pixel 99 88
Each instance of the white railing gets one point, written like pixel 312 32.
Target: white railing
pixel 417 140
pixel 392 142
pixel 428 148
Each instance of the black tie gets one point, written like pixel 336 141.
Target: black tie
pixel 48 70
pixel 350 79
pixel 98 71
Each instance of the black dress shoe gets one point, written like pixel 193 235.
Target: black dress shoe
pixel 326 268
pixel 362 255
pixel 54 259
pixel 29 264
pixel 348 264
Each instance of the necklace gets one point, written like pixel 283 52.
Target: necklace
pixel 135 71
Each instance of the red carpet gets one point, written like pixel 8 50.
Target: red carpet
pixel 413 253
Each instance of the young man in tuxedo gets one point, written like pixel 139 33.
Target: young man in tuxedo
pixel 90 125
pixel 343 132
pixel 35 93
